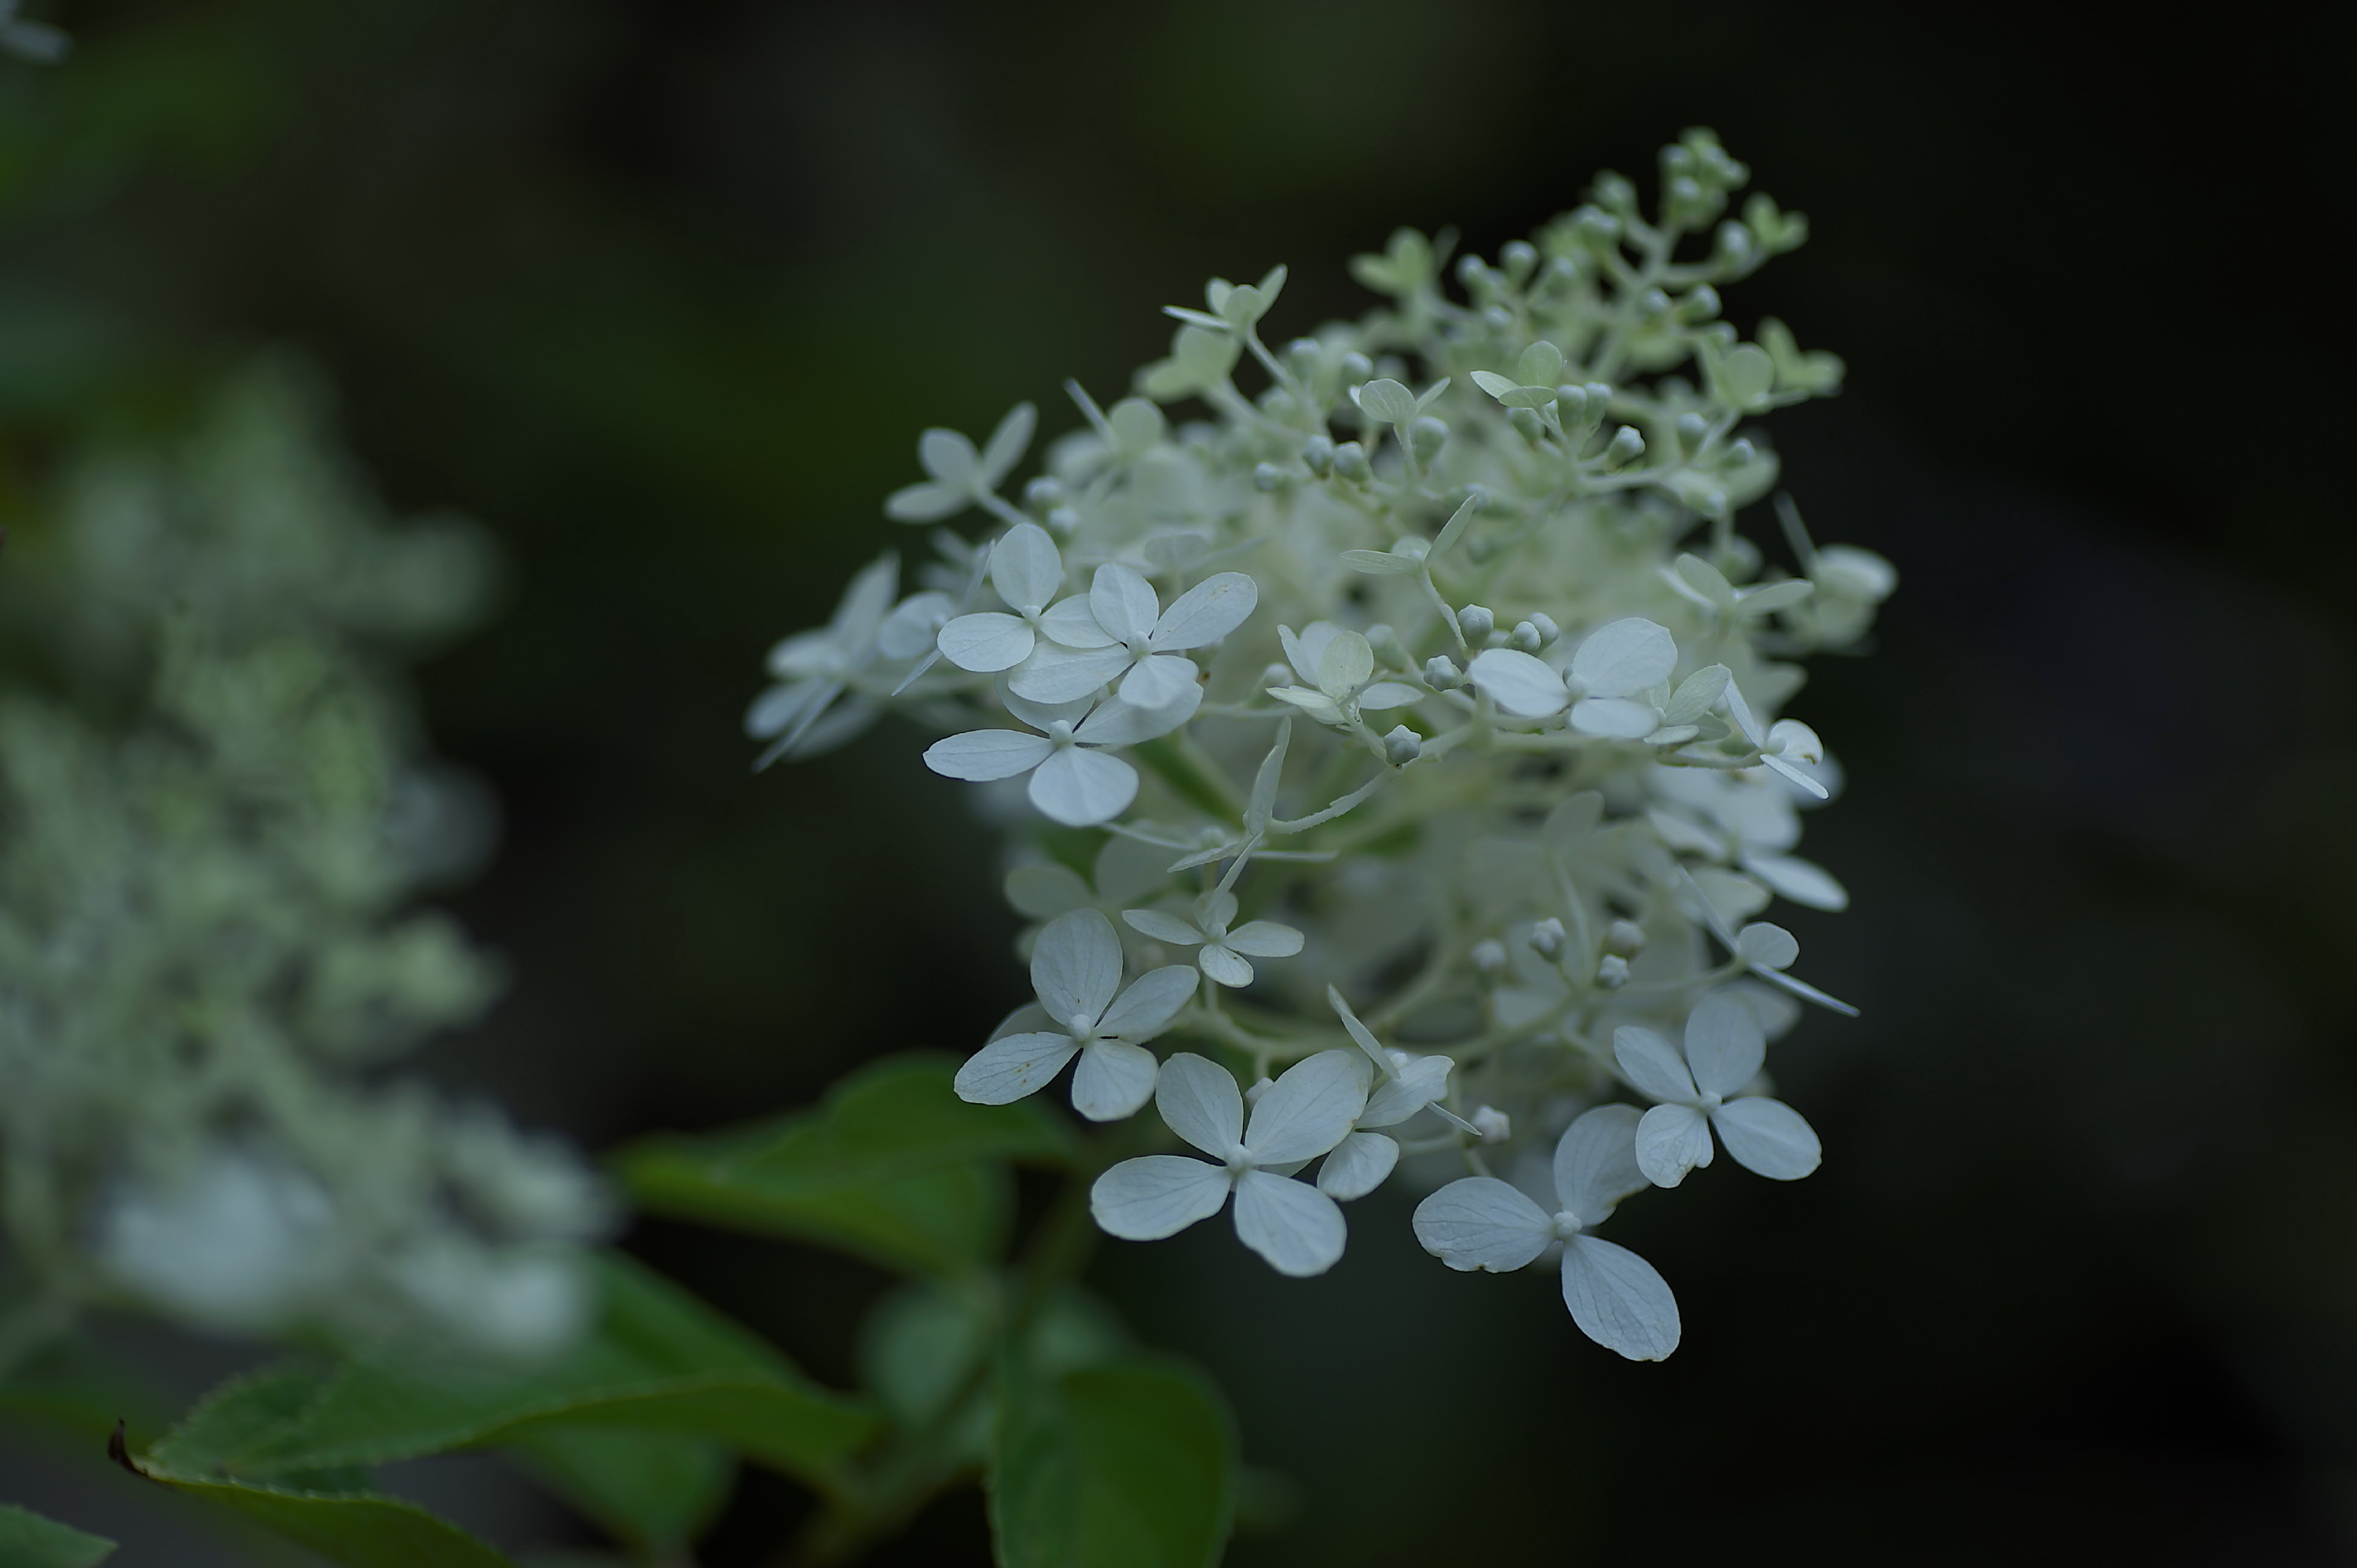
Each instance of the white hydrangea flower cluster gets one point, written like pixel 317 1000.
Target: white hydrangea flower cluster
pixel 209 942
pixel 1441 661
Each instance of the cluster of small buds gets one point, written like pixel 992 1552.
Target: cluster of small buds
pixel 1465 695
pixel 208 921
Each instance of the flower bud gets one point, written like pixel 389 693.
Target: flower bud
pixel 1356 367
pixel 1268 478
pixel 1519 257
pixel 1546 936
pixel 1571 404
pixel 1492 1123
pixel 1426 436
pixel 1282 675
pixel 1624 938
pixel 1261 1085
pixel 1476 622
pixel 1612 972
pixel 1627 447
pixel 1470 271
pixel 1527 424
pixel 1488 956
pixel 1615 192
pixel 1547 629
pixel 1691 428
pixel 1701 303
pixel 1440 673
pixel 1351 463
pixel 1301 355
pixel 1653 304
pixel 1402 745
pixel 1526 637
pixel 1063 520
pixel 1740 453
pixel 1319 453
pixel 1043 494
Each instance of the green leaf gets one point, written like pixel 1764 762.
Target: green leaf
pixel 659 1359
pixel 655 1490
pixel 1125 1466
pixel 359 1529
pixel 894 1167
pixel 28 1540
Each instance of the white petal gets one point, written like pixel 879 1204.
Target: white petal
pixel 1112 1081
pixel 1357 1166
pixel 1206 612
pixel 1223 964
pixel 1156 1195
pixel 1162 927
pixel 1308 1108
pixel 1081 787
pixel 1025 568
pixel 1044 716
pixel 1387 694
pixel 1120 722
pixel 1009 1068
pixel 1767 946
pixel 985 642
pixel 926 503
pixel 1160 680
pixel 984 753
pixel 1596 1162
pixel 1199 1102
pixel 1624 657
pixel 1614 718
pixel 1618 1300
pixel 1007 444
pixel 1671 1140
pixel 1412 1089
pixel 1152 1000
pixel 776 710
pixel 1073 624
pixel 948 456
pixel 1801 881
pixel 1724 1043
pixel 1028 1019
pixel 1651 1063
pixel 1768 1136
pixel 1124 603
pixel 1348 663
pixel 1292 1224
pixel 1799 776
pixel 1057 674
pixel 1480 1222
pixel 910 628
pixel 865 602
pixel 1076 967
pixel 1265 939
pixel 1518 683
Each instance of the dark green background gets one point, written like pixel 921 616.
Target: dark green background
pixel 664 291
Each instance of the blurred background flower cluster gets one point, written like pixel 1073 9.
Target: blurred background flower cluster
pixel 662 294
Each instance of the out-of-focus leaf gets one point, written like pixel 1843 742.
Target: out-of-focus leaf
pixel 655 1490
pixel 360 1529
pixel 893 1167
pixel 1130 1465
pixel 659 1359
pixel 28 1540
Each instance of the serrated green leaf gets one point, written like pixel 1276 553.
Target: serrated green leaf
pixel 655 1490
pixel 1125 1466
pixel 29 1540
pixel 659 1359
pixel 894 1167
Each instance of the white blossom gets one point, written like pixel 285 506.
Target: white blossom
pixel 958 477
pixel 1403 1085
pixel 1120 632
pixel 1614 664
pixel 814 668
pixel 1302 1114
pixel 1335 671
pixel 1027 570
pixel 1615 1297
pixel 1074 781
pixel 1225 953
pixel 1076 968
pixel 1703 1092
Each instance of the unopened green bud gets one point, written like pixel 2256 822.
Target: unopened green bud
pixel 1612 972
pixel 1546 936
pixel 1440 673
pixel 1426 436
pixel 1476 622
pixel 1691 428
pixel 1526 637
pixel 1624 938
pixel 1043 494
pixel 1627 447
pixel 1701 303
pixel 1063 520
pixel 1520 258
pixel 1547 629
pixel 1527 424
pixel 1741 452
pixel 1653 304
pixel 1402 745
pixel 1595 228
pixel 1318 452
pixel 1268 478
pixel 1488 957
pixel 1615 194
pixel 1351 463
pixel 1356 367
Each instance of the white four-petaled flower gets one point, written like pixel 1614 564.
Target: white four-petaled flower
pixel 1120 631
pixel 814 668
pixel 1073 780
pixel 1028 570
pixel 1615 1297
pixel 1302 1114
pixel 1616 663
pixel 1703 1092
pixel 1224 951
pixel 1076 968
